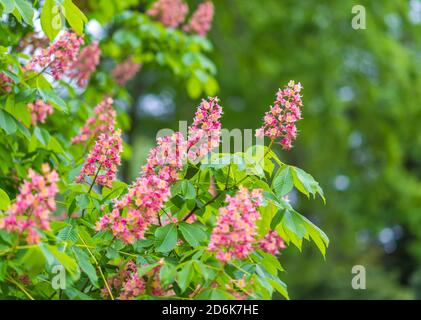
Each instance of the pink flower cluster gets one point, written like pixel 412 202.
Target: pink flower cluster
pixel 201 20
pixel 39 111
pixel 5 83
pixel 125 71
pixel 204 133
pixel 170 12
pixel 33 205
pixel 130 285
pixel 272 242
pixel 138 209
pixel 85 64
pixel 103 122
pixel 103 160
pixel 235 231
pixel 59 57
pixel 279 121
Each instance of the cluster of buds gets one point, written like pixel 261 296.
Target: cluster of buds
pixel 5 83
pixel 201 20
pixel 279 121
pixel 85 64
pixel 59 57
pixel 235 236
pixel 102 122
pixel 33 205
pixel 125 71
pixel 139 208
pixel 128 284
pixel 103 160
pixel 272 242
pixel 204 133
pixel 39 111
pixel 147 195
pixel 172 13
pixel 235 232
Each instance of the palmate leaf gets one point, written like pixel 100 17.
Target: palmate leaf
pixel 294 227
pixel 305 183
pixel 85 264
pixel 25 10
pixel 283 182
pixel 166 237
pixel 192 233
pixel 74 16
pixel 185 276
pixel 68 233
pixel 50 19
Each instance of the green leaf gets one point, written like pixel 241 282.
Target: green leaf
pixel 68 233
pixel 50 19
pixel 167 274
pixel 279 286
pixel 74 16
pixel 317 235
pixel 7 122
pixel 185 276
pixel 67 262
pixel 85 264
pixel 192 233
pixel 33 261
pixel 188 190
pixel 52 97
pixel 166 237
pixel 4 200
pixel 9 5
pixel 25 9
pixel 42 135
pixel 283 182
pixel 294 227
pixel 305 183
pixel 82 201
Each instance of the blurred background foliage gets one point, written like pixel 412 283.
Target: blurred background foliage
pixel 360 135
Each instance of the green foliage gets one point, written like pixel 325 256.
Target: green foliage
pixel 174 250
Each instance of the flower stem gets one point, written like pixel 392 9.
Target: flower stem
pixel 17 284
pixel 99 268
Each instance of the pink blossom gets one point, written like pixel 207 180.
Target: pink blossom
pixel 272 242
pixel 125 71
pixel 103 160
pixel 279 121
pixel 134 285
pixel 139 208
pixel 235 231
pixel 204 133
pixel 147 195
pixel 5 83
pixel 33 205
pixel 201 20
pixel 102 122
pixel 129 284
pixel 170 12
pixel 59 57
pixel 39 111
pixel 85 64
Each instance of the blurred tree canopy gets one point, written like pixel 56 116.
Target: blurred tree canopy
pixel 359 136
